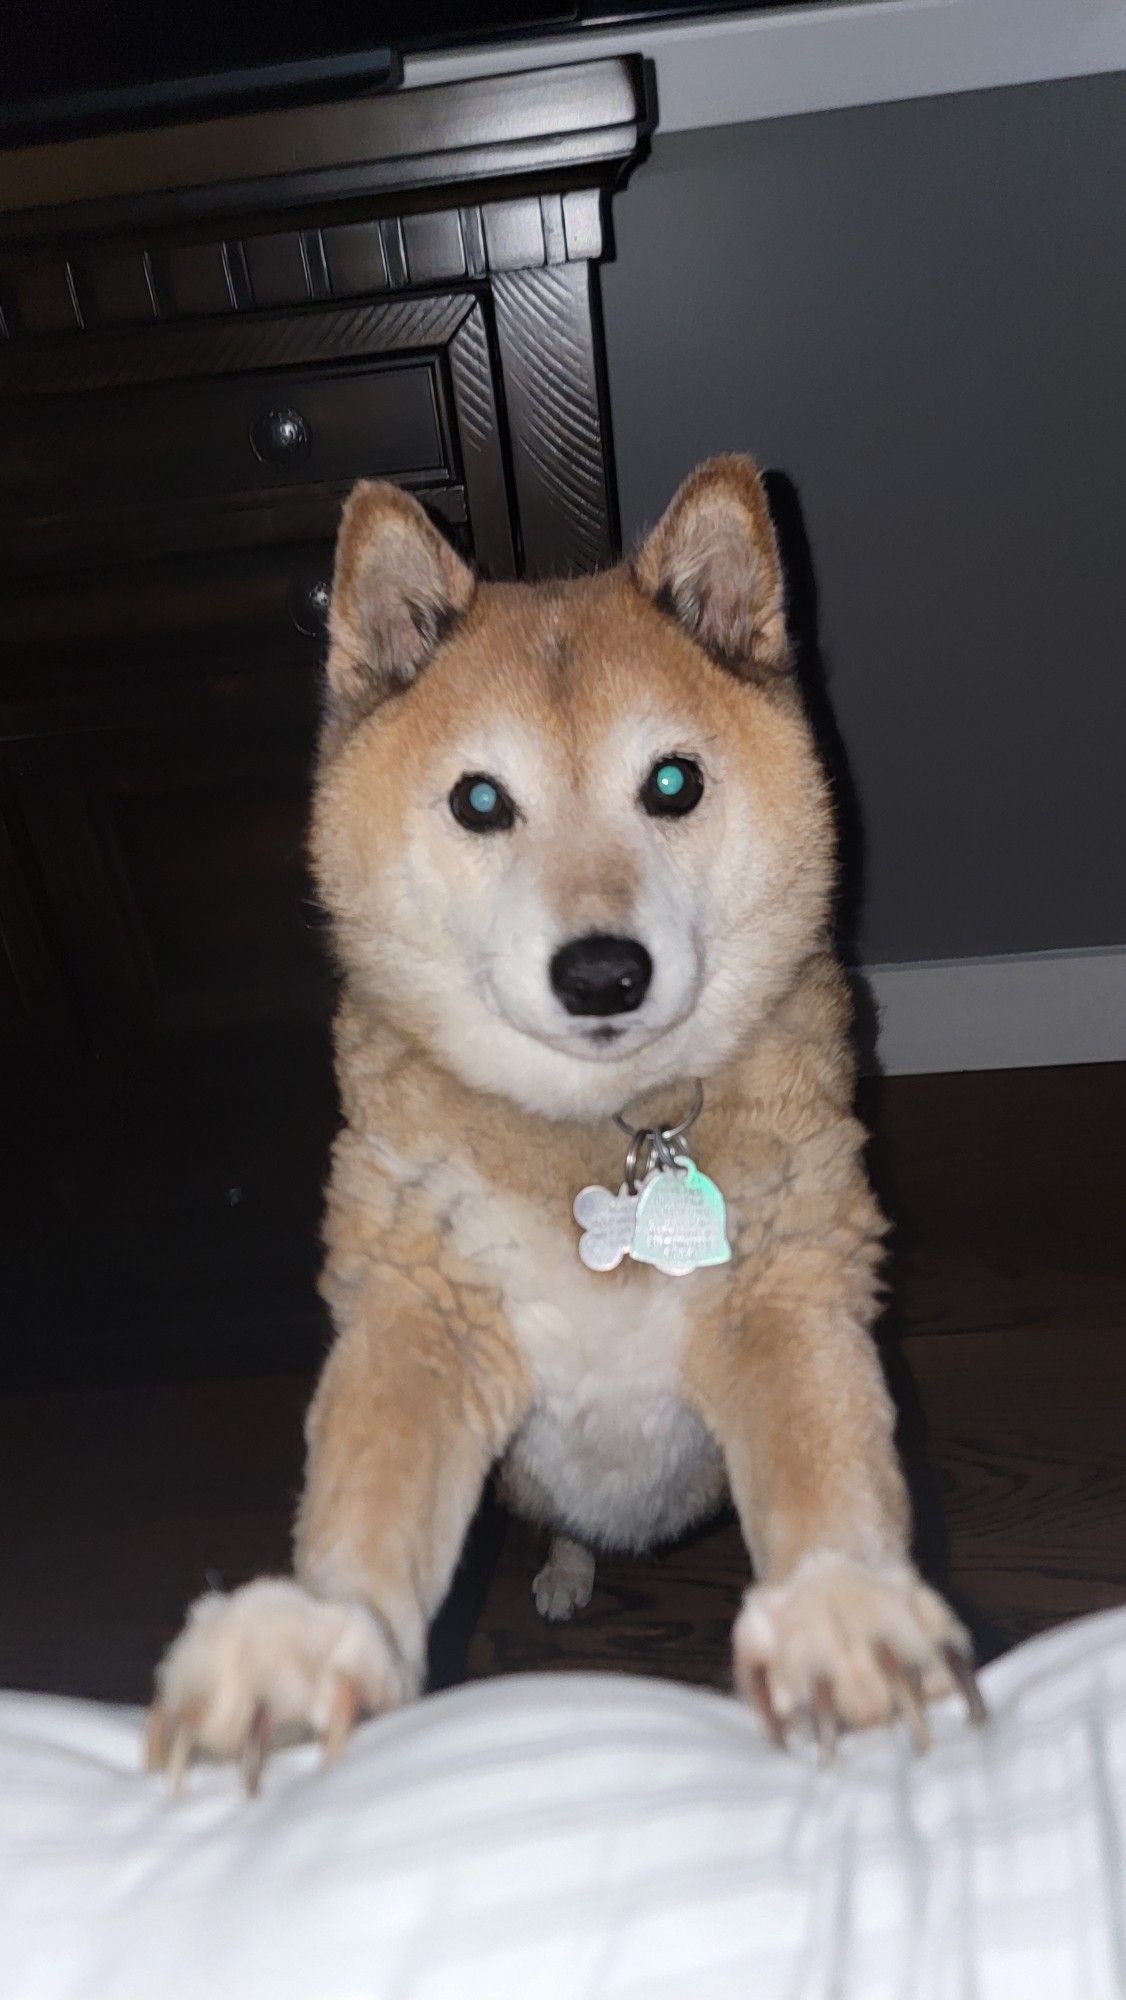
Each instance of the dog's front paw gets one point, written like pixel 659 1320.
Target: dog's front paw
pixel 847 1644
pixel 269 1663
pixel 566 1582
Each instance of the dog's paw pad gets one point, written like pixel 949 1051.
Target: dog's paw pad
pixel 844 1644
pixel 270 1663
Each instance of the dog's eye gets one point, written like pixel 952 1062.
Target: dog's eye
pixel 674 786
pixel 480 804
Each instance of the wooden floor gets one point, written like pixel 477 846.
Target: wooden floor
pixel 1006 1349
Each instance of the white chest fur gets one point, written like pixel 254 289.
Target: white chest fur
pixel 609 1448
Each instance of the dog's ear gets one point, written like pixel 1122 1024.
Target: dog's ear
pixel 397 588
pixel 712 563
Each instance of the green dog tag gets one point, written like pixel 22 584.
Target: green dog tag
pixel 681 1221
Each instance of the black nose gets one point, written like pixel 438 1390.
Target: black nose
pixel 601 975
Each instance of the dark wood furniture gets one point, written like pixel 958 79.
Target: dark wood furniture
pixel 210 331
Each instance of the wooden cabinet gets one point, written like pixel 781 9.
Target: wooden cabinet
pixel 209 333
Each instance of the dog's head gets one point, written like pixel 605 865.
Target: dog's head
pixel 574 836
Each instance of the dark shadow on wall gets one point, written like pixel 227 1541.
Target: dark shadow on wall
pixel 813 678
pixel 930 1546
pixel 930 1543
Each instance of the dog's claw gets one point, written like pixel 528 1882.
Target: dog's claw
pixel 156 1741
pixel 964 1678
pixel 180 1754
pixel 905 1683
pixel 256 1749
pixel 764 1702
pixel 342 1718
pixel 826 1727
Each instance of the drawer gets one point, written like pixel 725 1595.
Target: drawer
pixel 180 464
pixel 115 642
pixel 222 607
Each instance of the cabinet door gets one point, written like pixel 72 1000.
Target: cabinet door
pixel 164 990
pixel 156 735
pixel 170 861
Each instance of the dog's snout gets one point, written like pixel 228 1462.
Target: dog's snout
pixel 601 975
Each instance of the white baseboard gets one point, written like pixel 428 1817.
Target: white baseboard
pixel 1001 1013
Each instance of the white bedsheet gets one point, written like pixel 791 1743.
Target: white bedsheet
pixel 582 1837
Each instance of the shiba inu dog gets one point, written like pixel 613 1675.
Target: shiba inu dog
pixel 578 853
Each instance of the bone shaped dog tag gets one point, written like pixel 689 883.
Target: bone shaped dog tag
pixel 681 1221
pixel 607 1223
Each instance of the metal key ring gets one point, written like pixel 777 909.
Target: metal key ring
pixel 668 1132
pixel 665 1157
pixel 640 1143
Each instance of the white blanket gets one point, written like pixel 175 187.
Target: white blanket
pixel 580 1837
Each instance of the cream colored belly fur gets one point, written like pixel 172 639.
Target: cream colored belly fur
pixel 609 1450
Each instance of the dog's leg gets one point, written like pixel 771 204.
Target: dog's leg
pixel 411 1409
pixel 838 1629
pixel 564 1584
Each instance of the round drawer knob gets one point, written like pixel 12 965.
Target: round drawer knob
pixel 280 437
pixel 308 605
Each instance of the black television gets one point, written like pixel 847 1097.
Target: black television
pixel 74 66
pixel 69 67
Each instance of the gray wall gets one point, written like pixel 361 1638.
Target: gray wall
pixel 918 312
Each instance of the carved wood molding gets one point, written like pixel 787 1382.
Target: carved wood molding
pixel 106 284
pixel 579 123
pixel 260 340
pixel 559 445
pixel 423 187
